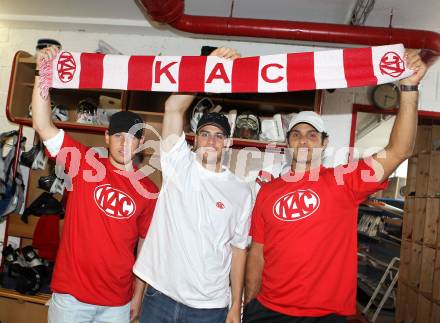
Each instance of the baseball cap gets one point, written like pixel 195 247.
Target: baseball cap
pixel 122 121
pixel 309 117
pixel 46 42
pixel 215 119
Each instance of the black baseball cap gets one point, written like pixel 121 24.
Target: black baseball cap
pixel 47 42
pixel 122 121
pixel 215 119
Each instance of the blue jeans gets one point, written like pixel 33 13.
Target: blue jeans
pixel 64 308
pixel 159 308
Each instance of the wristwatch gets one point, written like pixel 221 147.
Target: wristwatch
pixel 409 88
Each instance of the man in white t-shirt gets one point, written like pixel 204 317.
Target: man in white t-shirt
pixel 195 252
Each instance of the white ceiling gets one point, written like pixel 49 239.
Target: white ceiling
pixel 125 16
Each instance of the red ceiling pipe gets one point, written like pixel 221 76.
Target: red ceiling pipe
pixel 165 11
pixel 171 12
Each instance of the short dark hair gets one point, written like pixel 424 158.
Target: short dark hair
pixel 324 136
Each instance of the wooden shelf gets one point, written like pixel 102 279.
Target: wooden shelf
pixel 67 125
pixel 31 85
pixel 27 60
pixel 239 142
pixel 18 228
pixel 147 113
pixel 76 125
pixel 425 196
pixel 368 236
pixel 265 103
pixel 254 103
pixel 39 298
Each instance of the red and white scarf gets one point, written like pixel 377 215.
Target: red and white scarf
pixel 270 73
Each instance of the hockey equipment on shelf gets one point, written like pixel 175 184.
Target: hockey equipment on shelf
pixel 272 128
pixel 12 186
pixel 204 105
pixel 51 183
pixel 59 112
pixel 28 271
pixel 87 112
pixel 247 126
pixel 45 204
pixel 34 158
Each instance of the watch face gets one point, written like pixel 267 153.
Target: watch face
pixel 386 96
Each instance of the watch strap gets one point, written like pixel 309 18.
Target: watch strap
pixel 408 88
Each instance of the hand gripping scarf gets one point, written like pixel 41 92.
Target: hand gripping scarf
pixel 331 69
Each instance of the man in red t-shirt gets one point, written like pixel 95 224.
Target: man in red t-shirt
pixel 302 262
pixel 108 212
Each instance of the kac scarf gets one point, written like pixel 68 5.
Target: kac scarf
pixel 331 69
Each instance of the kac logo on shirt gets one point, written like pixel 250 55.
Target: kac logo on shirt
pixel 296 205
pixel 113 202
pixel 220 205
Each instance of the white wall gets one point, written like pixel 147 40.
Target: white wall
pixel 337 110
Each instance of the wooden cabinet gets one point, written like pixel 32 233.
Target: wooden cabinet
pixel 419 280
pixel 20 96
pixel 17 308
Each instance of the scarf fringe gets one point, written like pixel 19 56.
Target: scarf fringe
pixel 45 78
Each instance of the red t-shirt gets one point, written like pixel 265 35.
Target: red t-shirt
pixel 309 232
pixel 103 222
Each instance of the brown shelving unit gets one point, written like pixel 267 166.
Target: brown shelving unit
pixel 418 293
pixel 40 298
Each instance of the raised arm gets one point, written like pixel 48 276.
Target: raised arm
pixel 177 104
pixel 172 126
pixel 401 142
pixel 41 110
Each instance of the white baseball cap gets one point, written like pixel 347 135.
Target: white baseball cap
pixel 310 117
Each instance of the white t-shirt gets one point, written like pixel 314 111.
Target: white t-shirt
pixel 199 216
